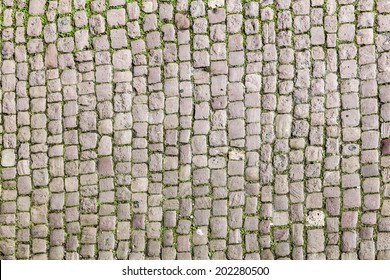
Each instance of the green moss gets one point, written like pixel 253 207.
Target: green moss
pixel 194 227
pixel 44 20
pixel 273 244
pixel 66 34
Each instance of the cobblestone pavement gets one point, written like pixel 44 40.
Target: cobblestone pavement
pixel 195 129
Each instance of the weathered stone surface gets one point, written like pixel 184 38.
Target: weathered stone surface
pixel 51 56
pixel 315 218
pixel 315 241
pixel 182 22
pixel 122 59
pixel 195 129
pixel 386 147
pixel 283 126
pixel 97 24
pixel 36 7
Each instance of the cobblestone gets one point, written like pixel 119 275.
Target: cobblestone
pixel 220 129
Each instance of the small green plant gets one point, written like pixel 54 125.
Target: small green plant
pixel 273 244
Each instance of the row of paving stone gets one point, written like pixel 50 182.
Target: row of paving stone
pixel 193 129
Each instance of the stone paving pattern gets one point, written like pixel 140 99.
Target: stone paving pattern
pixel 195 129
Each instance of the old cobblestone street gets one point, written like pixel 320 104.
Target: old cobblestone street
pixel 191 129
